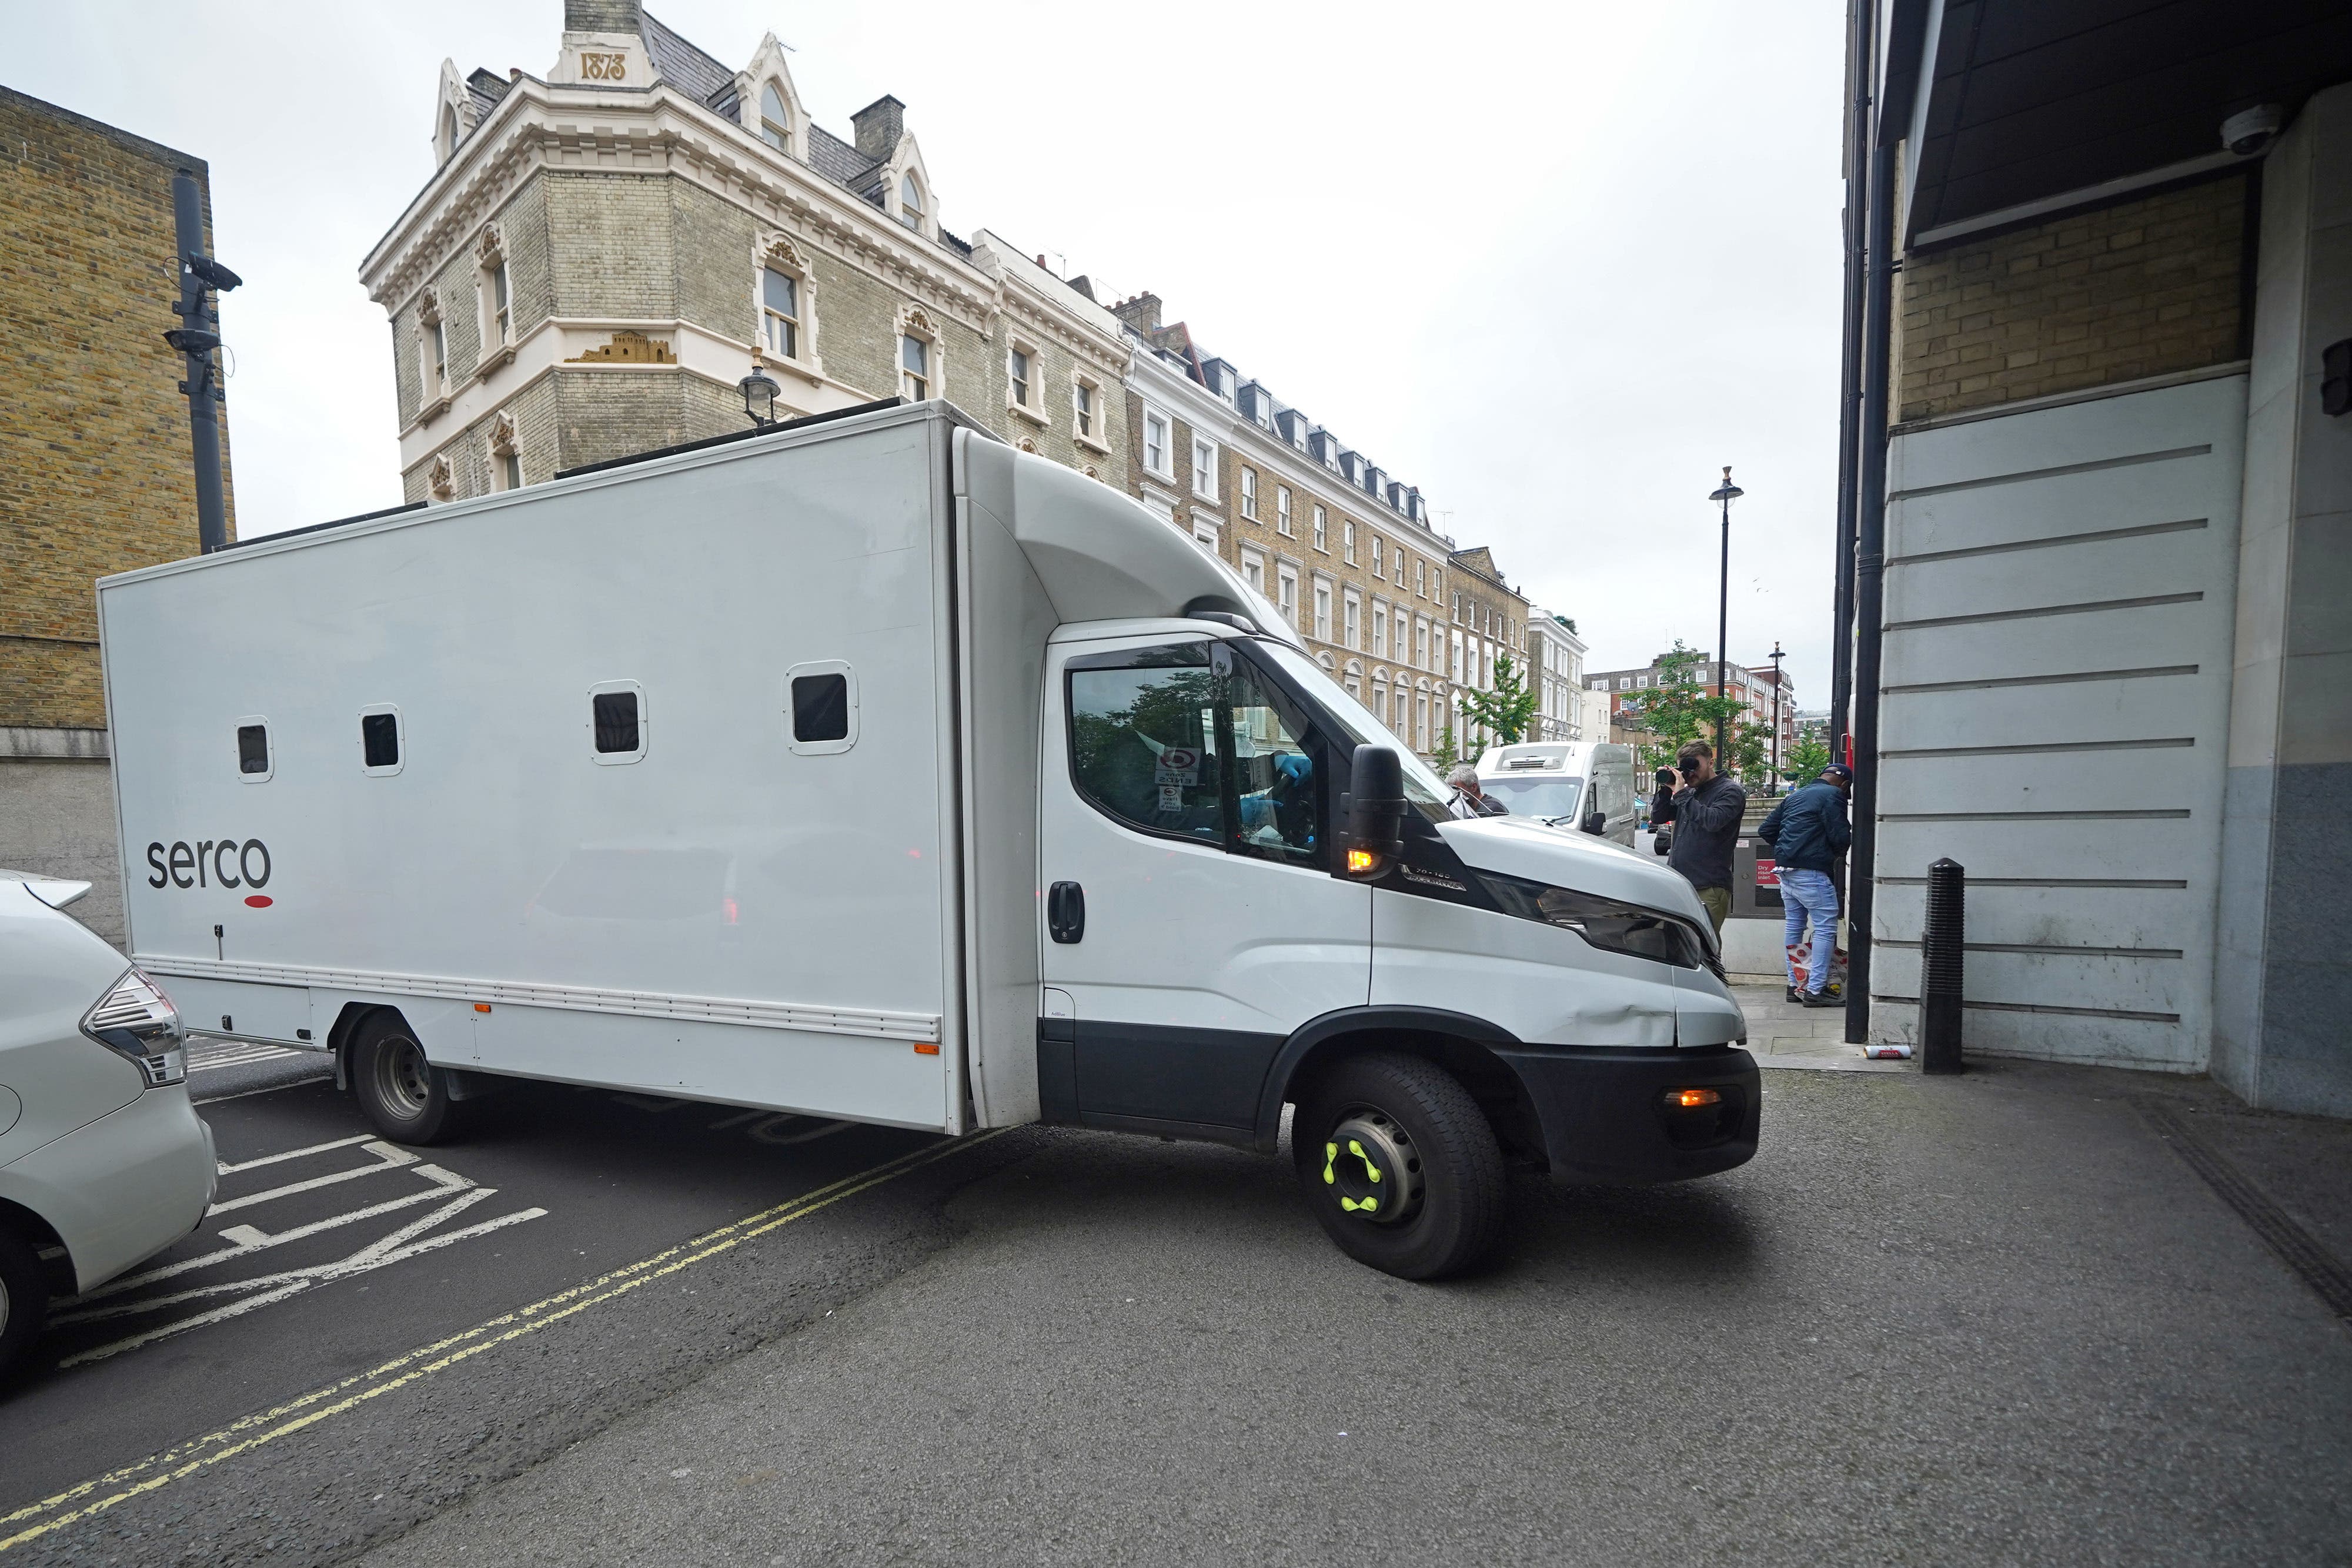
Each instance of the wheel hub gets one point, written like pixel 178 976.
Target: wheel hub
pixel 1371 1167
pixel 402 1077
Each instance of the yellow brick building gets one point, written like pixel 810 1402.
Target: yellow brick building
pixel 94 463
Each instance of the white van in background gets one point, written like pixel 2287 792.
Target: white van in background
pixel 1587 785
pixel 866 767
pixel 103 1163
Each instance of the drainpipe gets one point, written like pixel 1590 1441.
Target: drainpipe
pixel 1858 19
pixel 1869 580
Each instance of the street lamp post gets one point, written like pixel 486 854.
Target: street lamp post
pixel 1777 657
pixel 1727 494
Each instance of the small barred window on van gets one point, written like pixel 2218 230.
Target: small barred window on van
pixel 616 721
pixel 379 739
pixel 820 707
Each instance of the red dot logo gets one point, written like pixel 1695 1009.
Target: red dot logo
pixel 257 901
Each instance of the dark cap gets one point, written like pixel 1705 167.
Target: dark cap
pixel 1839 771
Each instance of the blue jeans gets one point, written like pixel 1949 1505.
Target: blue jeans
pixel 1809 893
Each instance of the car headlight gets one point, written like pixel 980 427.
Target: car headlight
pixel 1610 924
pixel 136 1019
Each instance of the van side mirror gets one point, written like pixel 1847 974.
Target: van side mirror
pixel 1373 817
pixel 1596 822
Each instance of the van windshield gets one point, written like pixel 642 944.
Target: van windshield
pixel 1546 795
pixel 1429 794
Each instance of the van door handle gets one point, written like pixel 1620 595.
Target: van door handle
pixel 1065 911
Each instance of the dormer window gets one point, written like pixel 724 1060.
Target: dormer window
pixel 775 120
pixel 910 202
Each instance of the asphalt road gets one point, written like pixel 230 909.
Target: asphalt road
pixel 328 1251
pixel 1995 1319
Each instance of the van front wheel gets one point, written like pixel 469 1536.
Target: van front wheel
pixel 1400 1166
pixel 404 1095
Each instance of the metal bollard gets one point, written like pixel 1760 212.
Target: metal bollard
pixel 1940 966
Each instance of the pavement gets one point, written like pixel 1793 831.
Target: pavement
pixel 1782 1033
pixel 2018 1316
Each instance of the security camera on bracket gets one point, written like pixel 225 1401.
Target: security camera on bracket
pixel 2250 130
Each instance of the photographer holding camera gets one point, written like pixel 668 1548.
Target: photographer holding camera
pixel 1705 813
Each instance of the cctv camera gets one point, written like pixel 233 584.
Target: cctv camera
pixel 2250 130
pixel 213 273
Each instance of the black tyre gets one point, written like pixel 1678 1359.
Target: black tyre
pixel 24 1298
pixel 404 1095
pixel 1400 1166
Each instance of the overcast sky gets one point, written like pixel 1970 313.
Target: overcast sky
pixel 1556 264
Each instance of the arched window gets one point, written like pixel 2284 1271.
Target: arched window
pixel 910 202
pixel 775 120
pixel 448 131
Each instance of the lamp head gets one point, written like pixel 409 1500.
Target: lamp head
pixel 1730 492
pixel 758 390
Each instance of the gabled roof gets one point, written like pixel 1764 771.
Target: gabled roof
pixel 679 64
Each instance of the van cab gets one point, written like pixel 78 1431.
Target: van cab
pixel 1582 784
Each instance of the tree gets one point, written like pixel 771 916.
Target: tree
pixel 1508 709
pixel 1802 763
pixel 1751 754
pixel 1445 757
pixel 1677 708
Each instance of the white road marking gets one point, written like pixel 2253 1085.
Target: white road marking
pixel 392 1158
pixel 246 1239
pixel 206 1055
pixel 450 1193
pixel 227 1169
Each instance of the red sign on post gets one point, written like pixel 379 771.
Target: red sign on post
pixel 1766 873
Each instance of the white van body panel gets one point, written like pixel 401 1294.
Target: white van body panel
pixel 643 926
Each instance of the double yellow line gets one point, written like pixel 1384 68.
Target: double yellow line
pixel 251 1432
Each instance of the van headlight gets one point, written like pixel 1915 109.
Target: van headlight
pixel 1608 924
pixel 136 1019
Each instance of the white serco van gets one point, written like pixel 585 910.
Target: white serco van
pixel 1587 785
pixel 869 768
pixel 103 1163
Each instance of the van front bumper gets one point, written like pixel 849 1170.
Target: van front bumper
pixel 1606 1114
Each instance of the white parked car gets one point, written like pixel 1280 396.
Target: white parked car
pixel 103 1162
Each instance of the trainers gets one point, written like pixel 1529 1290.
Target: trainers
pixel 1820 1000
pixel 1795 995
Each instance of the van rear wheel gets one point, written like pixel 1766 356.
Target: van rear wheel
pixel 1400 1166
pixel 403 1093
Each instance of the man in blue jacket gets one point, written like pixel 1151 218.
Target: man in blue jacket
pixel 1808 831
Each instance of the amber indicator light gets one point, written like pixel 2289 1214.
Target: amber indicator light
pixel 1692 1099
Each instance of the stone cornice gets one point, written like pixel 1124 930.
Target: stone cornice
pixel 661 131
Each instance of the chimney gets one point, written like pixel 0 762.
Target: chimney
pixel 1143 312
pixel 878 125
pixel 1083 284
pixel 602 17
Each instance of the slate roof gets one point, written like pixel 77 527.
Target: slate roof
pixel 683 65
pixel 678 62
pixel 486 88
